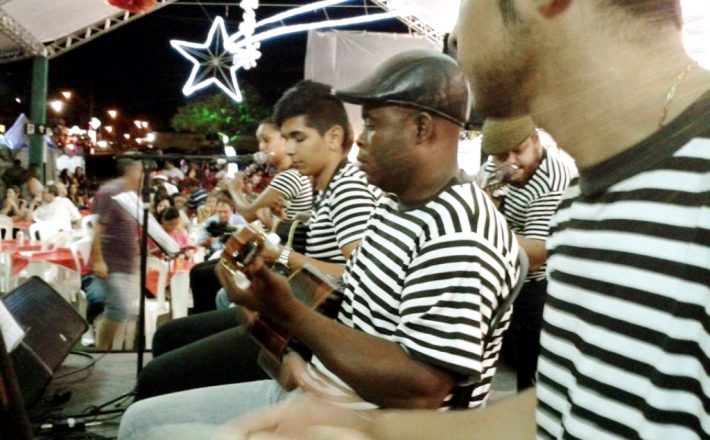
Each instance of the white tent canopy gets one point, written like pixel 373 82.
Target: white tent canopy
pixel 52 27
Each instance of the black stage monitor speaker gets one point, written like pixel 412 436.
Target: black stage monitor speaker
pixel 52 328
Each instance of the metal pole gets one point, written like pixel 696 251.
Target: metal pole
pixel 38 111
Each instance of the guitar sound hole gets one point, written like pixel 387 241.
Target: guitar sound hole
pixel 247 254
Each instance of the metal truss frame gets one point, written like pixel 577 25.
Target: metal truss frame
pixel 30 47
pixel 414 23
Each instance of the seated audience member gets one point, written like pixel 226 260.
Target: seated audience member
pixel 625 323
pixel 197 196
pixel 172 224
pixel 65 177
pixel 208 208
pixel 161 202
pixel 435 262
pixel 32 187
pixel 179 201
pixel 13 206
pixel 172 172
pixel 74 196
pixel 15 175
pixel 190 352
pixel 55 209
pixel 160 181
pixel 288 187
pixel 218 226
pixel 81 179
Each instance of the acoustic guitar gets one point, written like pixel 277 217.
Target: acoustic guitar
pixel 309 285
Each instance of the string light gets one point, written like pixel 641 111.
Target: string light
pixel 210 59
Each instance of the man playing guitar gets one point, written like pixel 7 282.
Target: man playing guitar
pixel 210 348
pixel 435 262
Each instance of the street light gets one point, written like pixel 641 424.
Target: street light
pixel 66 94
pixel 57 105
pixel 95 123
pixel 112 113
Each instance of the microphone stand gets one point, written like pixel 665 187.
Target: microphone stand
pixel 148 167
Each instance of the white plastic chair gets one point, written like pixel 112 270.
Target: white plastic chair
pixel 88 223
pixel 43 231
pixel 6 226
pixel 82 249
pixel 155 307
pixel 180 293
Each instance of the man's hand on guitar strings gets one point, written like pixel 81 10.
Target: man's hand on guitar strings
pixel 268 294
pixel 292 372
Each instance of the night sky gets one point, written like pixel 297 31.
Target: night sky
pixel 134 69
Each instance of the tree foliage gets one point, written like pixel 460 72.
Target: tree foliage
pixel 215 112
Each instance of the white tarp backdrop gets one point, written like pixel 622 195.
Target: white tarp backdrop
pixel 344 58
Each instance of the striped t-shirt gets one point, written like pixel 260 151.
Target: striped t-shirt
pixel 626 335
pixel 340 214
pixel 530 207
pixel 429 277
pixel 297 190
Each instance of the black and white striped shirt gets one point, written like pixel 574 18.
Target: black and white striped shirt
pixel 429 277
pixel 530 207
pixel 297 190
pixel 626 338
pixel 340 214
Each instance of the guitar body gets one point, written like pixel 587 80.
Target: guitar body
pixel 308 284
pixel 311 288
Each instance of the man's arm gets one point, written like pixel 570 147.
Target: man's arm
pixel 378 370
pixel 97 256
pixel 247 209
pixel 537 228
pixel 510 419
pixel 535 251
pixel 308 417
pixel 297 260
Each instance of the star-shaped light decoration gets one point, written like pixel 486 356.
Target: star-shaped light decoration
pixel 211 62
pixel 242 49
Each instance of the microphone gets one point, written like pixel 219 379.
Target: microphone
pixel 259 158
pixel 488 179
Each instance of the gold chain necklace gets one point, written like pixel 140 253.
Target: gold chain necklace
pixel 671 92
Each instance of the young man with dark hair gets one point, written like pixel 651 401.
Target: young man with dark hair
pixel 625 335
pixel 289 187
pixel 420 291
pixel 210 348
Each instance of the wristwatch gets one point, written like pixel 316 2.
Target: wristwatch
pixel 283 256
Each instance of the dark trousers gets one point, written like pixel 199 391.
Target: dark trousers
pixel 199 351
pixel 522 340
pixel 204 285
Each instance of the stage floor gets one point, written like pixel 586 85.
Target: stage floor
pixel 114 375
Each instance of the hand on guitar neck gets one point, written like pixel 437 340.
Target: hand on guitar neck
pixel 267 292
pixel 270 302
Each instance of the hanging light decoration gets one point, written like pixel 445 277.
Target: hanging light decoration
pixel 135 6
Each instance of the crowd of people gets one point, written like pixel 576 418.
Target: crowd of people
pixel 595 281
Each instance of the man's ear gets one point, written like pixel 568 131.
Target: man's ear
pixel 335 137
pixel 552 8
pixel 424 126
